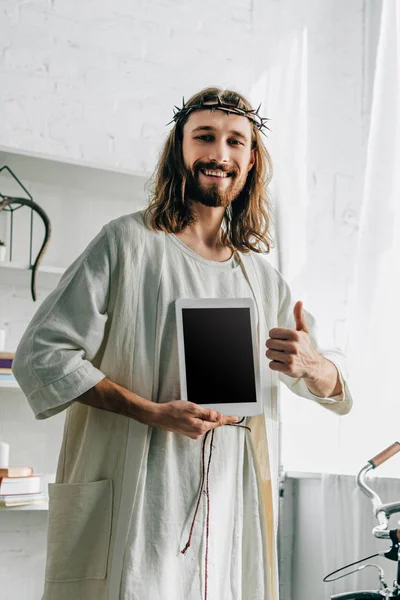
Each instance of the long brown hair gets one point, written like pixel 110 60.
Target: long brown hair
pixel 247 219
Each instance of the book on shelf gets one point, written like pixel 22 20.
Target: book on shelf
pixel 6 363
pixel 10 486
pixel 23 499
pixel 16 472
pixel 6 360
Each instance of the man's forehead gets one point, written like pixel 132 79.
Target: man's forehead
pixel 220 121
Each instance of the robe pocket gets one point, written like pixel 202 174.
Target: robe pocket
pixel 79 529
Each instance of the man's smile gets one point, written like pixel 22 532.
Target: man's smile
pixel 214 175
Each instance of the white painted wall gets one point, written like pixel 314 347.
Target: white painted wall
pixel 94 82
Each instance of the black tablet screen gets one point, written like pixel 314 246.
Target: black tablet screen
pixel 218 355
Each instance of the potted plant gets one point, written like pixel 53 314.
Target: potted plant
pixel 3 249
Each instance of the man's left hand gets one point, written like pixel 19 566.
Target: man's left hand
pixel 291 351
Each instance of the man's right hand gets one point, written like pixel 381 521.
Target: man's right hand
pixel 179 416
pixel 188 418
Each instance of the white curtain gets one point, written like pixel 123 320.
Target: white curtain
pixel 284 87
pixel 314 439
pixel 373 320
pixel 374 349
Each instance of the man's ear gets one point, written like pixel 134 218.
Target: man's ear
pixel 252 158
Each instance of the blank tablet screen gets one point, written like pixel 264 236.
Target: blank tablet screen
pixel 218 355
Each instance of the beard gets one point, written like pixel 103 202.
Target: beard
pixel 213 194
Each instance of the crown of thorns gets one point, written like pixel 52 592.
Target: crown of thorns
pixel 251 114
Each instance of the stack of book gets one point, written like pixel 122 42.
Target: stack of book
pixel 6 374
pixel 20 487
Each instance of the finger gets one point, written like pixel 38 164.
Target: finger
pixel 229 420
pixel 209 414
pixel 281 345
pixel 207 425
pixel 283 334
pixel 279 366
pixel 224 420
pixel 299 318
pixel 281 357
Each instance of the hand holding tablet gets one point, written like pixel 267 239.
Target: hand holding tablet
pixel 187 418
pixel 218 358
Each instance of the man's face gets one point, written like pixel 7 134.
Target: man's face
pixel 217 155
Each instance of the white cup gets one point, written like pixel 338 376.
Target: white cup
pixel 4 455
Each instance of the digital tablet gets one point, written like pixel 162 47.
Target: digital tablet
pixel 218 357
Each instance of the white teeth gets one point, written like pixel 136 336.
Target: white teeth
pixel 216 173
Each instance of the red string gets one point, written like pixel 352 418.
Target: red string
pixel 208 517
pixel 207 492
pixel 199 498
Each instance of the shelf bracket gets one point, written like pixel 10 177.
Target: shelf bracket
pixel 7 203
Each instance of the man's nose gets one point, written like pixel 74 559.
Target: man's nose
pixel 219 152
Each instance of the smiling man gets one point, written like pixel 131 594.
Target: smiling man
pixel 103 345
pixel 218 157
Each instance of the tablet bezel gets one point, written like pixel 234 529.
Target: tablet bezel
pixel 241 409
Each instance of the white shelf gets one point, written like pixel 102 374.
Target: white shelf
pixel 56 184
pixel 34 166
pixel 9 385
pixel 38 506
pixel 42 269
pixel 18 274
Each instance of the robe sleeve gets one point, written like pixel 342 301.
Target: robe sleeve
pixel 339 404
pixel 53 361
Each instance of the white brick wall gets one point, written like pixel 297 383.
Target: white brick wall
pixel 96 81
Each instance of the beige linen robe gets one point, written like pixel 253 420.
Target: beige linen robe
pixel 102 321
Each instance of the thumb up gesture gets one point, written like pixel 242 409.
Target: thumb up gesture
pixel 291 351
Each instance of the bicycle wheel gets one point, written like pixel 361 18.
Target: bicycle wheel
pixel 363 595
